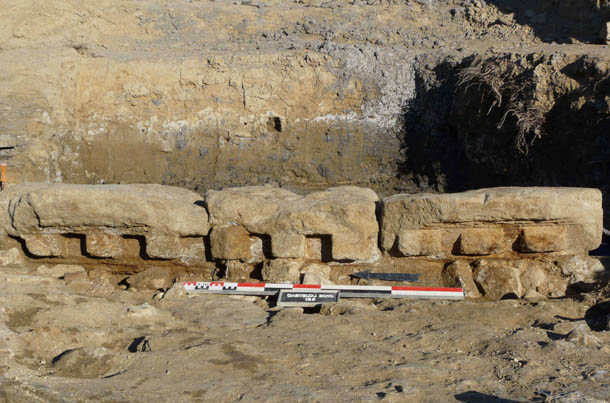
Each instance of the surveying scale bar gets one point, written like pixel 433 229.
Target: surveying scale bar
pixel 346 291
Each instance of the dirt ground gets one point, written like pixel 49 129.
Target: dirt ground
pixel 85 338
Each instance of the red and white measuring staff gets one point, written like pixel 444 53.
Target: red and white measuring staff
pixel 345 291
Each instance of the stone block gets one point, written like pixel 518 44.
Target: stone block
pixel 423 242
pixel 459 274
pixel 191 250
pixel 238 271
pixel 282 271
pixel 482 241
pixel 577 207
pixel 284 245
pixel 346 214
pixel 581 269
pixel 316 273
pixel 100 244
pixel 44 245
pixel 541 239
pixel 129 209
pixel 498 279
pixel 230 242
pixel 163 246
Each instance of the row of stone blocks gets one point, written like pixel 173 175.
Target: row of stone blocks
pixel 342 224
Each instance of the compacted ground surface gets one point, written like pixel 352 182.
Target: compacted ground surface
pixel 90 337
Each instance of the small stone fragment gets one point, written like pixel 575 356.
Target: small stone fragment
pixel 154 278
pixel 532 295
pixel 581 335
pixel 10 257
pixel 60 270
pixel 142 311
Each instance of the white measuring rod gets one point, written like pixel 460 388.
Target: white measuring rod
pixel 345 291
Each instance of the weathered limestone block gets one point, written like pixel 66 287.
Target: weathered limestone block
pixel 238 271
pixel 482 241
pixel 498 279
pixel 459 274
pixel 345 213
pixel 287 245
pixel 578 209
pixel 231 242
pixel 542 239
pixel 162 246
pixel 423 242
pixel 100 244
pixel 581 269
pixel 191 250
pixel 129 209
pixel 44 245
pixel 316 273
pixel 282 271
pixel 10 257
